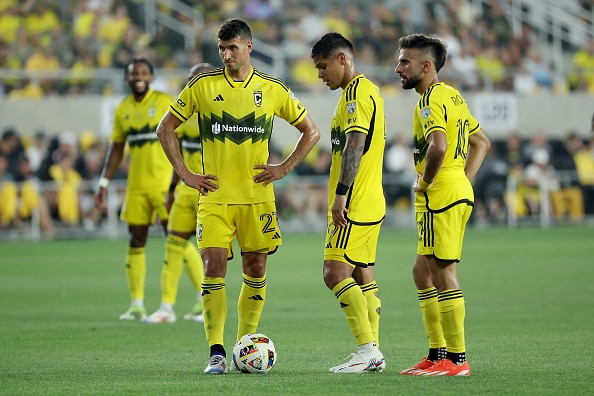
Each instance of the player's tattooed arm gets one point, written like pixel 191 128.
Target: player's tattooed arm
pixel 351 157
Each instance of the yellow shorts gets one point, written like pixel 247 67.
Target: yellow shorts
pixel 441 233
pixel 355 244
pixel 182 215
pixel 142 208
pixel 254 225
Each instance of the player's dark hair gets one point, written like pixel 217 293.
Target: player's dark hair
pixel 233 28
pixel 138 60
pixel 330 42
pixel 431 46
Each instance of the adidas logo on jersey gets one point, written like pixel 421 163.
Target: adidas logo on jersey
pixel 276 236
pixel 219 98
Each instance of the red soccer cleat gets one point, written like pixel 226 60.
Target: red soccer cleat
pixel 424 364
pixel 445 367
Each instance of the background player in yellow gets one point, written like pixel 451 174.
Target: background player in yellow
pixel 449 147
pixel 236 106
pixel 135 121
pixel 182 202
pixel 356 197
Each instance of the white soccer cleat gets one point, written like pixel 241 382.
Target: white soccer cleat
pixel 216 365
pixel 134 313
pixel 161 316
pixel 362 362
pixel 197 314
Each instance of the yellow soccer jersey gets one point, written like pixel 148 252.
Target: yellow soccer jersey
pixel 191 151
pixel 136 123
pixel 360 109
pixel 442 108
pixel 236 120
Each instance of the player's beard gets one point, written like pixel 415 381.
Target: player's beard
pixel 411 82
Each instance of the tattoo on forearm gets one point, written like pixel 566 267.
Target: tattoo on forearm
pixel 351 157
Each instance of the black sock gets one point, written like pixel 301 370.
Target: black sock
pixel 217 349
pixel 457 358
pixel 436 354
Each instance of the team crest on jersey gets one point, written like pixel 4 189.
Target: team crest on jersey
pixel 152 112
pixel 426 112
pixel 351 107
pixel 258 98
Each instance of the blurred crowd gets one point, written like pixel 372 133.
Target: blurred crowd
pixel 54 177
pixel 83 37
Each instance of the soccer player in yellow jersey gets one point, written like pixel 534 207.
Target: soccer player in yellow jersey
pixel 182 202
pixel 356 197
pixel 135 121
pixel 236 106
pixel 449 147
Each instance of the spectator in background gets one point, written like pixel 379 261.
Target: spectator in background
pixel 539 69
pixel 581 76
pixel 491 68
pixel 8 61
pixel 569 201
pixel 68 181
pixel 538 140
pixel 37 150
pixel 44 59
pixel 584 162
pixel 10 21
pixel 540 179
pixel 11 149
pixel 30 199
pixel 398 162
pixel 490 185
pixel 309 22
pixel 8 195
pixel 335 22
pixel 41 20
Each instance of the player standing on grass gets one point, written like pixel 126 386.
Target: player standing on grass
pixel 135 121
pixel 449 147
pixel 182 202
pixel 356 198
pixel 236 106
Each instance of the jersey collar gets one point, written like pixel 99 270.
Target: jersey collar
pixel 239 84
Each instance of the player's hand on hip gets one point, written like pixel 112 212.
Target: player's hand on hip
pixel 202 183
pixel 270 173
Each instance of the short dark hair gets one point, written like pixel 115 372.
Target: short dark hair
pixel 328 43
pixel 233 28
pixel 138 60
pixel 432 46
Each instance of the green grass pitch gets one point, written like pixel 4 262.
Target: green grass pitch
pixel 529 323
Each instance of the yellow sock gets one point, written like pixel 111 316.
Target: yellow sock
pixel 453 311
pixel 374 307
pixel 250 304
pixel 194 265
pixel 354 306
pixel 136 272
pixel 214 302
pixel 172 268
pixel 431 318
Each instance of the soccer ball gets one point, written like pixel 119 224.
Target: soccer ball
pixel 254 354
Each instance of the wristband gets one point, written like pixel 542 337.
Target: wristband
pixel 423 185
pixel 103 182
pixel 341 189
pixel 172 187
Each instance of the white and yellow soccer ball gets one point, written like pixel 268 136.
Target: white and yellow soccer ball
pixel 254 354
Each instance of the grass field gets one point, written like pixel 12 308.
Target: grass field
pixel 529 323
